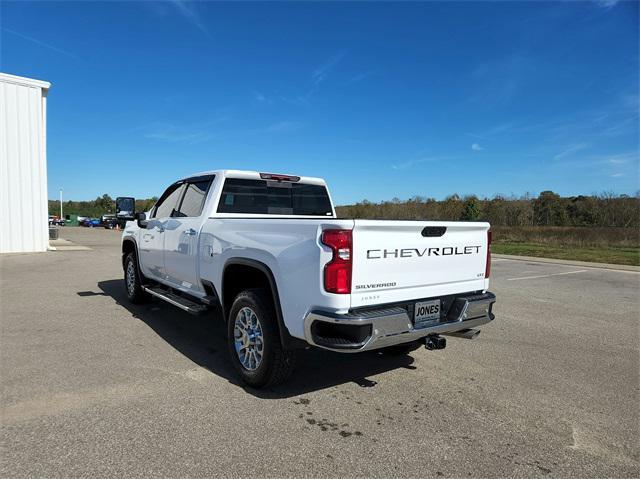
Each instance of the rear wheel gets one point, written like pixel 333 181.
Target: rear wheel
pixel 132 283
pixel 254 340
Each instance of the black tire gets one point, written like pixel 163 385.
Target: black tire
pixel 276 364
pixel 401 349
pixel 134 290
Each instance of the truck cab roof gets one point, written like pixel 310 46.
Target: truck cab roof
pixel 255 175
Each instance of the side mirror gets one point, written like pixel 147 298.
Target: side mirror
pixel 125 208
pixel 141 218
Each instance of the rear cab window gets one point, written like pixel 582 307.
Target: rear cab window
pixel 266 197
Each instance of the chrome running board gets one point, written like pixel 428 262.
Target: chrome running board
pixel 176 300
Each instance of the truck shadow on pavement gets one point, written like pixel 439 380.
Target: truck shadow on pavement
pixel 202 339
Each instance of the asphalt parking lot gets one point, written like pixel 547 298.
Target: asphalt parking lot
pixel 93 386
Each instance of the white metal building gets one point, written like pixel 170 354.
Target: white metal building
pixel 23 164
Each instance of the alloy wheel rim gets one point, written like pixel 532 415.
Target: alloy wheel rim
pixel 131 278
pixel 248 339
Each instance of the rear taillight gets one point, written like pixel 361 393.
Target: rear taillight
pixel 337 272
pixel 487 269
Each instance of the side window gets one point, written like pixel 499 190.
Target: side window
pixel 168 202
pixel 194 197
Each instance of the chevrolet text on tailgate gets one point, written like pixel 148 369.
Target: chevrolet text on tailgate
pixel 268 252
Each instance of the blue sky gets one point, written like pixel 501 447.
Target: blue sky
pixel 382 100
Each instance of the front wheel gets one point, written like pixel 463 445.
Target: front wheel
pixel 254 341
pixel 132 283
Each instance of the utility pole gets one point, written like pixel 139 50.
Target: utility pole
pixel 61 204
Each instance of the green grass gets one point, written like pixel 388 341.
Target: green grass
pixel 613 255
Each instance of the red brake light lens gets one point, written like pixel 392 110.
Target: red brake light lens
pixel 487 270
pixel 337 272
pixel 277 177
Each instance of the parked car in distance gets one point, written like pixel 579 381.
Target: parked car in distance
pixel 268 251
pixel 91 222
pixel 109 221
pixel 55 221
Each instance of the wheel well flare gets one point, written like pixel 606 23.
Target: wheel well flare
pixel 239 277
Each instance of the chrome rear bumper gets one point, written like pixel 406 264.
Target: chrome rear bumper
pixel 373 329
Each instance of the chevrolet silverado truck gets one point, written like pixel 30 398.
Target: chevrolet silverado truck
pixel 268 252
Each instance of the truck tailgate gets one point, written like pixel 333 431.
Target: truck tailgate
pixel 396 261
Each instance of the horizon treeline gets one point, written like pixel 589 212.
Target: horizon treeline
pixel 547 209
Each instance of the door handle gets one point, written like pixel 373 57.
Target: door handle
pixel 190 232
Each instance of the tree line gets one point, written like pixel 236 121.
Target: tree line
pixel 102 205
pixel 548 209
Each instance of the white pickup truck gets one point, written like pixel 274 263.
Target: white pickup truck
pixel 268 251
